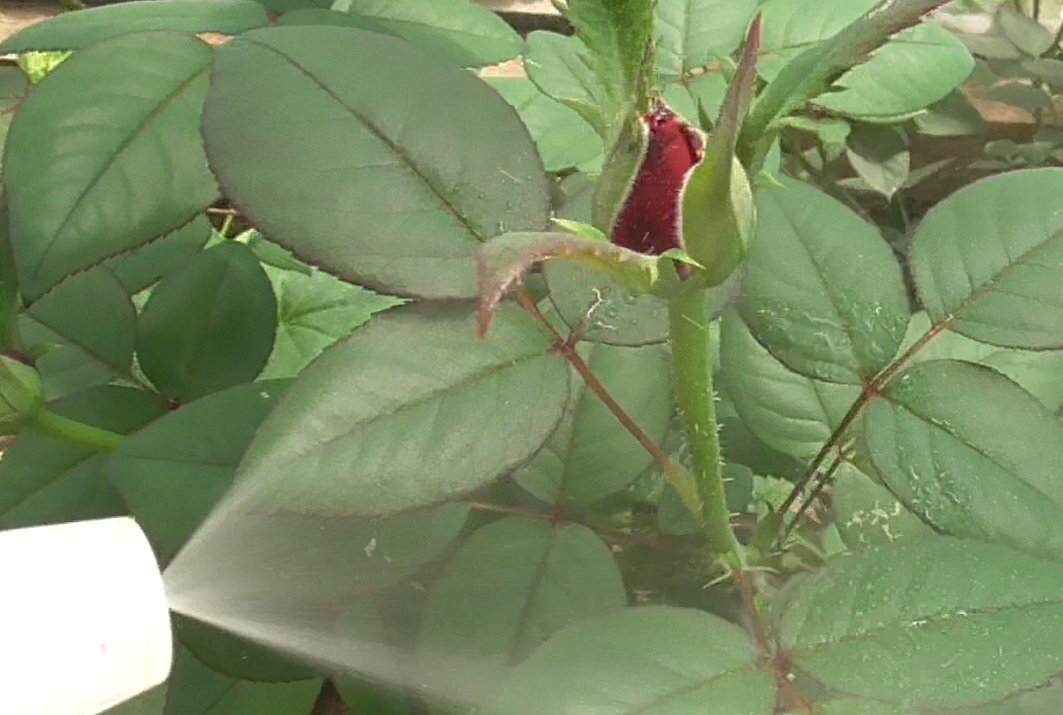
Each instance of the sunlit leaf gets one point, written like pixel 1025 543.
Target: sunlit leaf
pixel 889 622
pixel 986 260
pixel 388 202
pixel 965 469
pixel 410 410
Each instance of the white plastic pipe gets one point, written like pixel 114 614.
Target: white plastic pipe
pixel 83 618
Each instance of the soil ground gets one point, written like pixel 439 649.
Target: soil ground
pixel 15 15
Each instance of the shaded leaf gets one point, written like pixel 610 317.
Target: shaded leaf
pixel 591 455
pixel 64 368
pixel 142 267
pixel 14 85
pixel 1024 32
pixel 236 657
pixel 172 472
pixel 506 590
pixel 91 312
pixel 951 117
pixel 209 324
pixel 195 689
pixel 44 480
pixel 880 156
pixel 81 190
pixel 788 411
pixel 323 16
pixel 652 660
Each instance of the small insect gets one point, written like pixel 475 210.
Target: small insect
pixel 649 221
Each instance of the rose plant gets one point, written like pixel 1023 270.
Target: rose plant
pixel 688 435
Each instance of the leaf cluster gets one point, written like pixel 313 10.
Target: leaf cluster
pixel 242 239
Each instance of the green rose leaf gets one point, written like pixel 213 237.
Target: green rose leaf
pixel 784 409
pixel 591 455
pixel 691 34
pixel 92 312
pixel 506 590
pixel 209 324
pixel 401 207
pixel 315 310
pixel 917 67
pixel 867 514
pixel 504 262
pixel 196 689
pixel 886 623
pixel 985 260
pixel 172 472
pixel 81 190
pixel 652 660
pixel 564 139
pixel 462 32
pixel 555 63
pixel 44 480
pixel 965 469
pixel 823 290
pixel 609 310
pixel 410 410
pixel 880 156
pixel 144 266
pixel 74 30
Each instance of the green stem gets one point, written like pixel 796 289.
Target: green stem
pixel 226 224
pixel 692 358
pixel 68 430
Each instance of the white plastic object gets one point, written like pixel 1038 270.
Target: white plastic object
pixel 84 623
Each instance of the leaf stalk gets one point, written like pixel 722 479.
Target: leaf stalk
pixel 54 425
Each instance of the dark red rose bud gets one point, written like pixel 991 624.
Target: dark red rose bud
pixel 649 221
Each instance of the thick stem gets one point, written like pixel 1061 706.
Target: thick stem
pixel 68 430
pixel 692 360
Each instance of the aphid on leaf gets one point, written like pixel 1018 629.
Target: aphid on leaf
pixel 649 220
